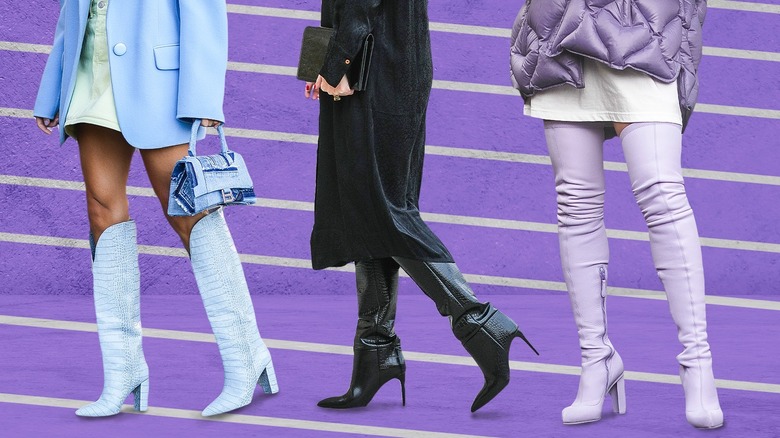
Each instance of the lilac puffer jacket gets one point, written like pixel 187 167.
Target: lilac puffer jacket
pixel 661 38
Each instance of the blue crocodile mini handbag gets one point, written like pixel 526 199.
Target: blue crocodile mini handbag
pixel 200 183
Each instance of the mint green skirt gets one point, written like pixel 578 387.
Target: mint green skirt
pixel 93 96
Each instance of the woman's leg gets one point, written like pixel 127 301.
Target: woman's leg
pixel 222 287
pixel 653 154
pixel 377 349
pixel 105 162
pixel 159 166
pixel 576 151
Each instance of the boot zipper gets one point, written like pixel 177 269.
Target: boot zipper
pixel 603 276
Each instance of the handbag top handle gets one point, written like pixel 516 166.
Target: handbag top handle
pixel 194 137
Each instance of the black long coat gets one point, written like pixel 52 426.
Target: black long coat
pixel 372 144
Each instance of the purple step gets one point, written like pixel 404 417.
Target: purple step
pixel 63 422
pixel 505 190
pixel 488 251
pixel 459 119
pixel 189 374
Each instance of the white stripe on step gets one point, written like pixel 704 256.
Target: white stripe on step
pixel 443 359
pixel 473 221
pixel 479 154
pixel 250 420
pixel 289 262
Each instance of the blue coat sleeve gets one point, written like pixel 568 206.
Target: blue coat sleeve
pixel 203 59
pixel 353 21
pixel 47 103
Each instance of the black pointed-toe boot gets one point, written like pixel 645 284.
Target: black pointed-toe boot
pixel 378 358
pixel 484 331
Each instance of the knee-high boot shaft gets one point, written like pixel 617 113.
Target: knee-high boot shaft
pixel 377 349
pixel 485 332
pixel 377 296
pixel 116 282
pixel 225 295
pixel 653 153
pixel 576 154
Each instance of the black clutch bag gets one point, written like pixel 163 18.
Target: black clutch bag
pixel 315 47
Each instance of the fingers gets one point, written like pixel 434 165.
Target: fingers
pixel 208 123
pixel 340 90
pixel 318 87
pixel 308 92
pixel 43 125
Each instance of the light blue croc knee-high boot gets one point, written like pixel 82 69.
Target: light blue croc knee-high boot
pixel 225 294
pixel 117 289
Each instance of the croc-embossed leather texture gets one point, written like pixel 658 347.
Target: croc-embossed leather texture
pixel 116 283
pixel 225 295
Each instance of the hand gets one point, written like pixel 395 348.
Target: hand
pixel 341 90
pixel 313 89
pixel 208 123
pixel 45 125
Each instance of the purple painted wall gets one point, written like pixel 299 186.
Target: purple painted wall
pixel 736 211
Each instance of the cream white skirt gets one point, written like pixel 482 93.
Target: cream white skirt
pixel 609 95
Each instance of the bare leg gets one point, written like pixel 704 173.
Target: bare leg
pixel 223 288
pixel 105 163
pixel 159 166
pixel 619 127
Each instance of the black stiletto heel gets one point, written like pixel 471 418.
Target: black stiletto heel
pixel 520 335
pixel 373 368
pixel 402 379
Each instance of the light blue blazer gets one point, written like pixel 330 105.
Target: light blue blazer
pixel 167 59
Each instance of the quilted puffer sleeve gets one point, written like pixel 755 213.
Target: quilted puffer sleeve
pixel 690 54
pixel 518 53
pixel 353 21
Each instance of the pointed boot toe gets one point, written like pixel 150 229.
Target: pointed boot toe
pixel 345 401
pixel 487 336
pixel 372 368
pixel 491 389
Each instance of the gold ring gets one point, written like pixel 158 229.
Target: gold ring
pixel 336 98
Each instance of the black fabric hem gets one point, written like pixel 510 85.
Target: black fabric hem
pixel 338 255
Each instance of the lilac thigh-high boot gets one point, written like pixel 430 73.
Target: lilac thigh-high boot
pixel 653 155
pixel 576 154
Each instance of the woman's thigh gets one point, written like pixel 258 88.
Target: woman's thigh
pixel 159 165
pixel 105 164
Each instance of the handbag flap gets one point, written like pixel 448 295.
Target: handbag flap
pixel 218 172
pixel 313 50
pixel 358 75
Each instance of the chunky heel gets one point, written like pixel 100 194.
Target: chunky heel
pixel 402 379
pixel 520 335
pixel 141 396
pixel 267 380
pixel 618 394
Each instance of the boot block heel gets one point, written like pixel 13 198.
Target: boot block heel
pixel 618 394
pixel 141 396
pixel 267 380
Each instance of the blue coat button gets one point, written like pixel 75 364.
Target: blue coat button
pixel 120 49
